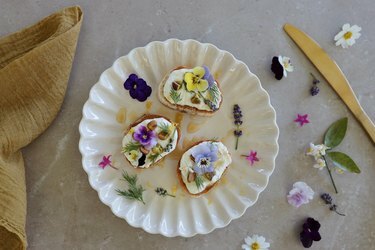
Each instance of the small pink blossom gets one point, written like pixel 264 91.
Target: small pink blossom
pixel 302 119
pixel 106 162
pixel 300 194
pixel 252 157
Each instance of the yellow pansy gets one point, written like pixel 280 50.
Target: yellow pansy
pixel 133 155
pixel 194 80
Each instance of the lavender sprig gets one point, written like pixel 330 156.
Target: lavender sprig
pixel 328 200
pixel 237 114
pixel 162 192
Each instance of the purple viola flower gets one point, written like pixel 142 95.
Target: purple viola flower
pixel 147 138
pixel 310 232
pixel 207 76
pixel 138 88
pixel 204 156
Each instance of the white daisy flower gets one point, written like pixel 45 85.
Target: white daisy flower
pixel 320 164
pixel 255 242
pixel 347 36
pixel 287 66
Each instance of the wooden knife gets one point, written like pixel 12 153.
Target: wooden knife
pixel 332 73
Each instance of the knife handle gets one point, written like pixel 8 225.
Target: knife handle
pixel 353 103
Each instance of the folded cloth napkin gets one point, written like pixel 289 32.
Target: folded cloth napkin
pixel 35 65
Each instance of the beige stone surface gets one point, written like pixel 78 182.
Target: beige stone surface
pixel 64 212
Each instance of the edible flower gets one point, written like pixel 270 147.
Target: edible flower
pixel 310 232
pixel 252 157
pixel 204 156
pixel 347 36
pixel 147 138
pixel 280 66
pixel 138 88
pixel 207 76
pixel 302 119
pixel 194 80
pixel 106 161
pixel 255 242
pixel 317 150
pixel 300 194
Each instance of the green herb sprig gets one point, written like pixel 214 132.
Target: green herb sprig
pixel 214 93
pixel 134 191
pixel 131 146
pixel 199 180
pixel 176 97
pixel 153 157
pixel 164 127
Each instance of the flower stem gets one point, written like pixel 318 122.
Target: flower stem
pixel 330 175
pixel 171 195
pixel 237 142
pixel 339 213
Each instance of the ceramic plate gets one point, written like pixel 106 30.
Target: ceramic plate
pixel 110 110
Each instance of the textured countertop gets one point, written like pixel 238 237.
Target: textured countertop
pixel 64 212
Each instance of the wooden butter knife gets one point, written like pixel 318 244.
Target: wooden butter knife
pixel 332 73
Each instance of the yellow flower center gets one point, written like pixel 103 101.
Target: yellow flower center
pixel 144 137
pixel 348 35
pixel 255 246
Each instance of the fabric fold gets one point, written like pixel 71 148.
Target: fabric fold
pixel 35 65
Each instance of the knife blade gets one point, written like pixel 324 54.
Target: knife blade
pixel 333 74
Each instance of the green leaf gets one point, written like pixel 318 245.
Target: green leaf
pixel 199 181
pixel 344 162
pixel 130 147
pixel 336 133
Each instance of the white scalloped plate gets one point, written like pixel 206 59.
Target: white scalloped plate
pixel 109 111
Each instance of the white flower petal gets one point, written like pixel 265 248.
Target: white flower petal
pixel 249 240
pixel 350 42
pixel 340 41
pixel 346 27
pixel 356 28
pixel 339 35
pixel 246 247
pixel 356 35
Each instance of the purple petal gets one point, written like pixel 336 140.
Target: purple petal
pixel 130 81
pixel 313 224
pixel 141 96
pixel 315 236
pixel 305 239
pixel 198 170
pixel 209 169
pixel 133 93
pixel 277 68
pixel 207 75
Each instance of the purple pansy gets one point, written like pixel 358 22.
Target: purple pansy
pixel 147 138
pixel 207 76
pixel 310 232
pixel 204 155
pixel 138 88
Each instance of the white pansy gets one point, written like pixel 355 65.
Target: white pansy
pixel 287 66
pixel 255 242
pixel 320 164
pixel 347 36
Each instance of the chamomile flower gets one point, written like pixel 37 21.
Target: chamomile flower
pixel 255 242
pixel 347 36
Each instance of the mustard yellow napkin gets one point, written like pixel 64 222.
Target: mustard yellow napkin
pixel 35 65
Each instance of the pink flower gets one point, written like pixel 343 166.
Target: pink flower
pixel 300 194
pixel 106 162
pixel 252 157
pixel 302 119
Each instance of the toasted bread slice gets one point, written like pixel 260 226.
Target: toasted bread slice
pixel 205 108
pixel 149 139
pixel 188 164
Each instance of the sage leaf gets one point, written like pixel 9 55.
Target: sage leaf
pixel 336 133
pixel 343 162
